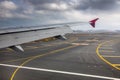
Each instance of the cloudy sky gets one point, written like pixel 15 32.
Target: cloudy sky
pixel 40 12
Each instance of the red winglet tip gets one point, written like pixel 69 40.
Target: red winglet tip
pixel 92 22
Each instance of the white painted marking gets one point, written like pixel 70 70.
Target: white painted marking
pixel 77 44
pixel 110 56
pixel 108 51
pixel 104 47
pixel 60 72
pixel 94 40
pixel 107 45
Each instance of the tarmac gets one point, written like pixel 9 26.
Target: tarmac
pixel 80 57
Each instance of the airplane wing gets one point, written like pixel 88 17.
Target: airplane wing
pixel 13 37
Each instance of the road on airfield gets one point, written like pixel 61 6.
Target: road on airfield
pixel 80 57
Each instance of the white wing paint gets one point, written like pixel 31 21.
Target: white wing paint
pixel 14 37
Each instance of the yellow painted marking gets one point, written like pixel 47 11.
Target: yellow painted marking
pixel 4 51
pixel 33 42
pixel 93 40
pixel 33 47
pixel 66 42
pixel 116 64
pixel 106 51
pixel 16 59
pixel 32 56
pixel 107 45
pixel 97 51
pixel 54 44
pixel 48 45
pixel 38 56
pixel 75 43
pixel 7 50
pixel 43 46
pixel 106 48
pixel 111 56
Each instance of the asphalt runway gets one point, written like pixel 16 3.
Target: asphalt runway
pixel 80 57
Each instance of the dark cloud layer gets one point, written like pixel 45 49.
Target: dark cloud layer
pixel 39 2
pixel 35 12
pixel 44 4
pixel 81 4
pixel 26 8
pixel 97 4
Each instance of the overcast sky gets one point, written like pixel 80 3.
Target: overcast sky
pixel 39 12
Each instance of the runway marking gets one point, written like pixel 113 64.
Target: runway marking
pixel 77 44
pixel 38 56
pixel 116 64
pixel 107 45
pixel 66 42
pixel 33 56
pixel 16 59
pixel 111 56
pixel 106 51
pixel 94 40
pixel 7 50
pixel 107 48
pixel 98 53
pixel 4 51
pixel 53 44
pixel 60 72
pixel 32 47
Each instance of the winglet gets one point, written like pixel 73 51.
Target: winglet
pixel 92 22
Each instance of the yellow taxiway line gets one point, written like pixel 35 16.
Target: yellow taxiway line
pixel 38 56
pixel 101 57
pixel 116 64
pixel 33 47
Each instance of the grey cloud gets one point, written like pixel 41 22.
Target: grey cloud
pixel 45 4
pixel 39 2
pixel 80 5
pixel 9 9
pixel 1 0
pixel 29 7
pixel 97 5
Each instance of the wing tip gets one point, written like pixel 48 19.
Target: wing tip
pixel 92 22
